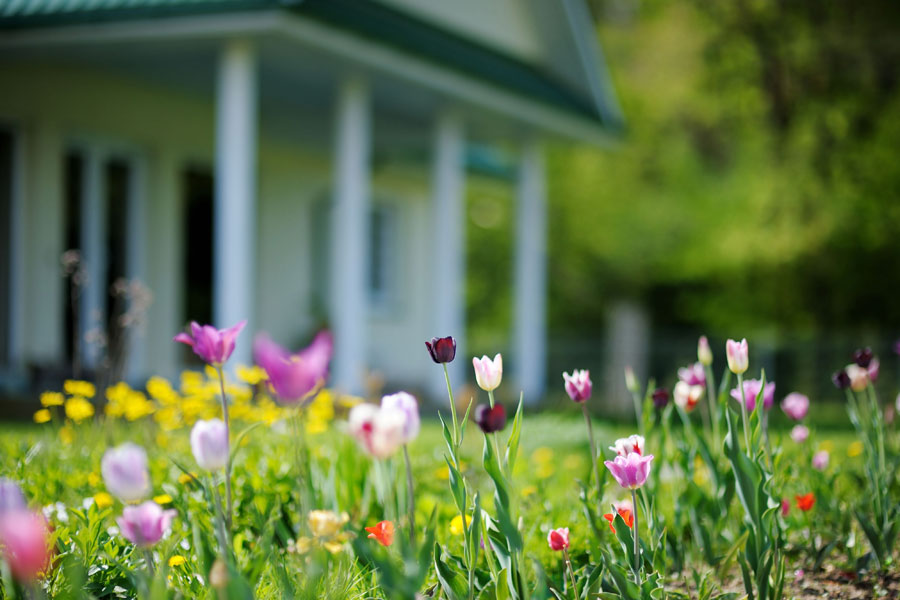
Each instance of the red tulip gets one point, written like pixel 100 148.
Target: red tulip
pixel 383 533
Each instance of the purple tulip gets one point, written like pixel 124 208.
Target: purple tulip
pixel 209 444
pixel 213 345
pixel 660 397
pixel 799 433
pixel 407 405
pixel 298 376
pixel 578 385
pixel 144 525
pixel 820 460
pixel 693 374
pixel 124 470
pixel 11 496
pixel 863 357
pixel 795 406
pixel 751 390
pixel 442 350
pixel 630 471
pixel 490 420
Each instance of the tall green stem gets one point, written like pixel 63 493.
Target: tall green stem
pixel 494 435
pixel 713 405
pixel 744 417
pixel 228 510
pixel 452 409
pixel 590 428
pixel 411 497
pixel 637 543
pixel 571 573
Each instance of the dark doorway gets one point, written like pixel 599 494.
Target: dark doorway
pixel 198 247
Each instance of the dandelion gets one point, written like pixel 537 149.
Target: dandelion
pixel 103 500
pixel 162 499
pixel 42 416
pixel 177 561
pixel 456 525
pixel 78 408
pixel 52 399
pixel 79 388
pixel 855 449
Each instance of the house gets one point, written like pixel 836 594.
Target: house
pixel 293 162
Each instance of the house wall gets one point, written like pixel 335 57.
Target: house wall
pixel 169 131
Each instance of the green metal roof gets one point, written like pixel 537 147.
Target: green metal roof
pixel 367 19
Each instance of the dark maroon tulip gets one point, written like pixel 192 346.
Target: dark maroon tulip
pixel 841 380
pixel 897 347
pixel 490 419
pixel 660 397
pixel 442 350
pixel 863 357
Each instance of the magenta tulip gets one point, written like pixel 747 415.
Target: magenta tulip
pixel 23 538
pixel 295 377
pixel 751 390
pixel 144 525
pixel 693 374
pixel 795 406
pixel 820 460
pixel 578 385
pixel 213 345
pixel 630 471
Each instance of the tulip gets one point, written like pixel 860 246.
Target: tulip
pixel 704 353
pixel 379 432
pixel 558 539
pixel 124 470
pixel 383 533
pixel 11 496
pixel 799 433
pixel 407 405
pixel 687 396
pixel 490 420
pixel 144 525
pixel 624 510
pixel 795 406
pixel 295 377
pixel 693 374
pixel 660 398
pixel 858 376
pixel 862 357
pixel 806 501
pixel 630 471
pixel 213 345
pixel 785 507
pixel 873 369
pixel 209 444
pixel 737 354
pixel 578 385
pixel 625 446
pixel 23 542
pixel 841 380
pixel 442 350
pixel 488 373
pixel 820 460
pixel 751 391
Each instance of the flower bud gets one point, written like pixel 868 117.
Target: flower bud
pixel 380 432
pixel 218 575
pixel 144 525
pixel 704 352
pixel 841 380
pixel 558 539
pixel 11 496
pixel 488 373
pixel 795 406
pixel 442 350
pixel 799 433
pixel 820 460
pixel 863 357
pixel 631 383
pixel 660 398
pixel 490 420
pixel 209 444
pixel 687 396
pixel 406 405
pixel 124 470
pixel 625 446
pixel 858 376
pixel 738 355
pixel 578 385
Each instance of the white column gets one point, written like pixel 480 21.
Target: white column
pixel 448 242
pixel 94 256
pixel 531 273
pixel 235 193
pixel 349 247
pixel 136 262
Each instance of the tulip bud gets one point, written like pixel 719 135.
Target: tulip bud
pixel 820 460
pixel 124 470
pixel 625 446
pixel 490 420
pixel 660 398
pixel 144 525
pixel 631 383
pixel 380 432
pixel 785 507
pixel 863 357
pixel 442 350
pixel 795 406
pixel 488 373
pixel 687 396
pixel 799 433
pixel 704 352
pixel 873 369
pixel 558 539
pixel 578 385
pixel 738 355
pixel 841 380
pixel 209 444
pixel 858 376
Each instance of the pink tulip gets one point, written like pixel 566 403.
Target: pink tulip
pixel 209 444
pixel 799 433
pixel 687 396
pixel 820 460
pixel 578 385
pixel 488 373
pixel 213 345
pixel 378 430
pixel 625 446
pixel 409 407
pixel 795 406
pixel 295 377
pixel 693 374
pixel 704 353
pixel 751 390
pixel 558 539
pixel 23 537
pixel 738 355
pixel 124 470
pixel 630 471
pixel 785 507
pixel 144 525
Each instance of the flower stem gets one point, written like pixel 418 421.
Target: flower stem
pixel 713 405
pixel 456 439
pixel 571 573
pixel 228 510
pixel 494 435
pixel 744 416
pixel 411 503
pixel 219 518
pixel 637 544
pixel 590 428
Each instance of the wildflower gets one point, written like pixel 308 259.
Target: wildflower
pixel 687 396
pixel 79 408
pixel 578 385
pixel 442 350
pixel 383 533
pixel 213 345
pixel 858 377
pixel 379 432
pixel 799 433
pixel 42 416
pixel 144 525
pixel 295 377
pixel 407 405
pixel 795 405
pixel 488 373
pixel 103 500
pixel 693 374
pixel 250 375
pixel 738 355
pixel 558 539
pixel 125 473
pixel 855 449
pixel 52 399
pixel 806 501
pixel 785 507
pixel 177 561
pixel 11 496
pixel 820 460
pixel 863 356
pixel 751 391
pixel 79 388
pixel 490 420
pixel 456 524
pixel 23 537
pixel 326 523
pixel 704 353
pixel 660 398
pixel 209 444
pixel 162 499
pixel 625 446
pixel 630 471
pixel 186 478
pixel 625 510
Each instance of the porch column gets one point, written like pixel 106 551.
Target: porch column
pixel 349 236
pixel 136 263
pixel 234 244
pixel 96 262
pixel 448 235
pixel 531 273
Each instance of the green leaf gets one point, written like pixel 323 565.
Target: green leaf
pixel 457 486
pixel 448 437
pixel 452 583
pixel 465 421
pixel 512 444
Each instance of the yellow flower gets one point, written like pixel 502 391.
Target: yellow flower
pixel 855 449
pixel 67 434
pixel 78 409
pixel 93 479
pixel 42 416
pixel 177 561
pixel 162 499
pixel 333 547
pixel 211 372
pixel 442 473
pixel 186 478
pixel 102 500
pixel 52 399
pixel 456 525
pixel 326 523
pixel 75 387
pixel 251 375
pixel 160 389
